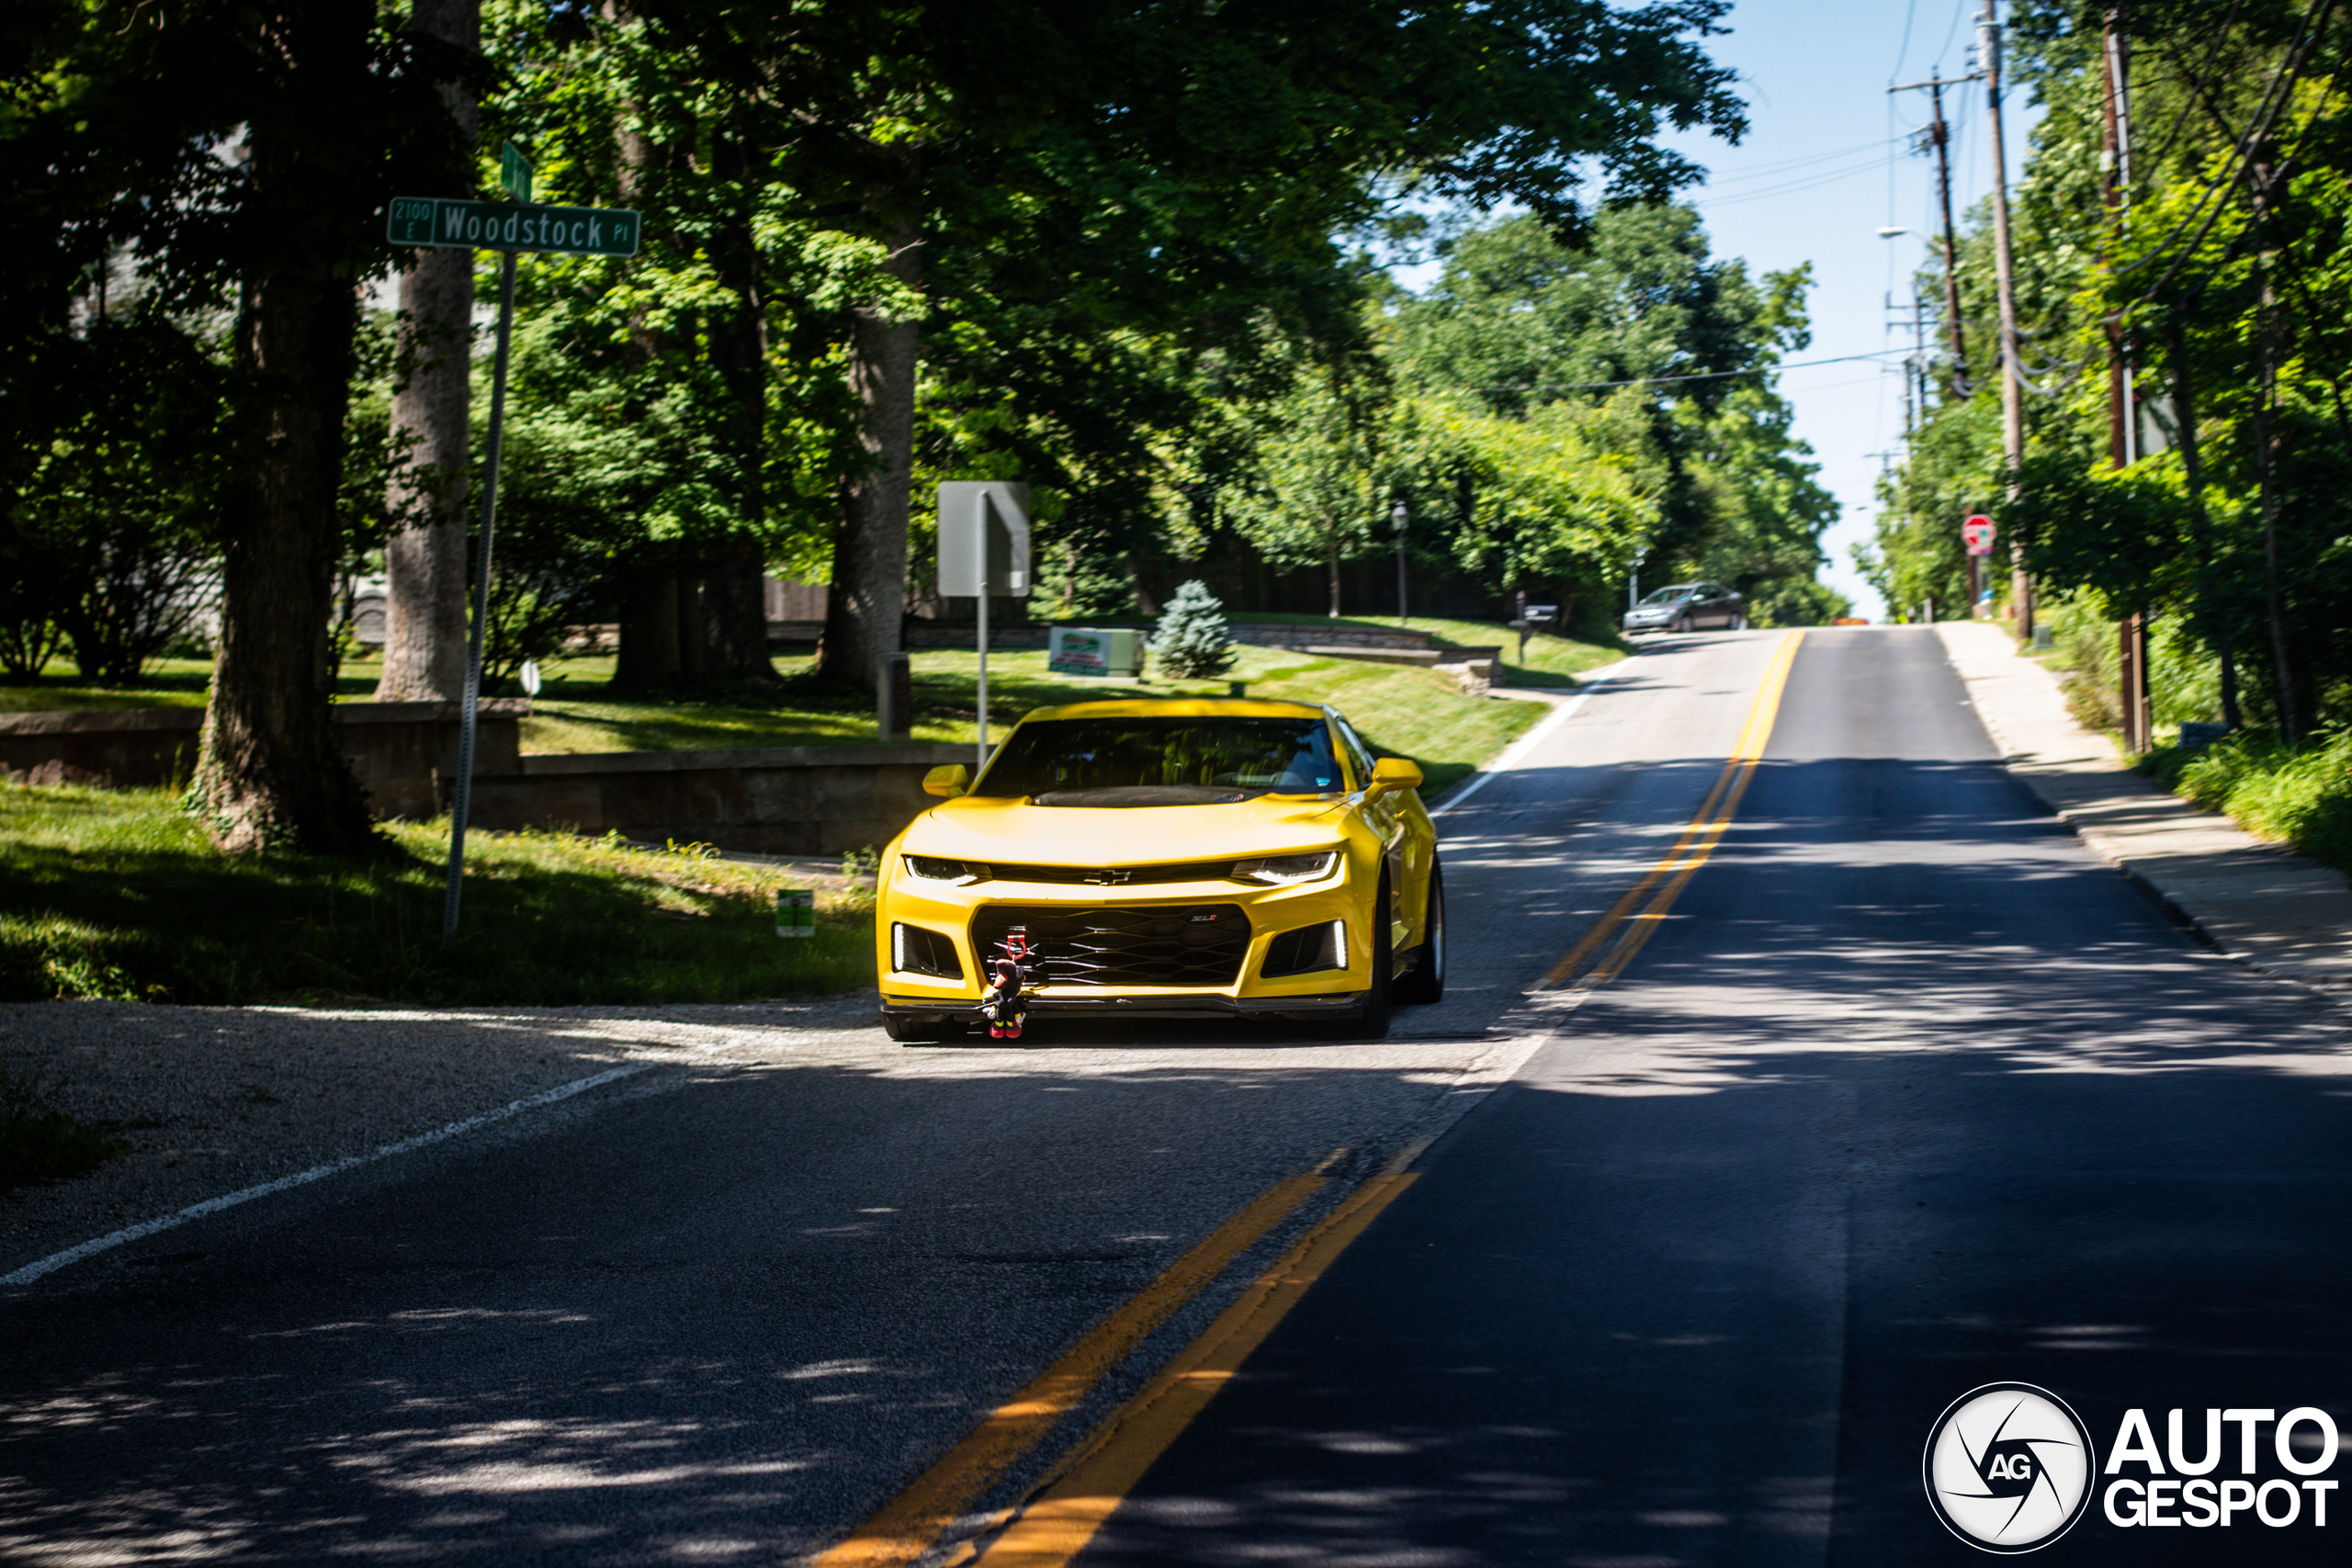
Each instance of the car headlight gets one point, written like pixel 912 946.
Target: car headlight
pixel 1280 870
pixel 931 869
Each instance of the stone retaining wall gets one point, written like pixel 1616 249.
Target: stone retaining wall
pixel 802 800
pixel 401 751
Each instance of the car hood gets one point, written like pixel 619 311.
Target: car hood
pixel 989 829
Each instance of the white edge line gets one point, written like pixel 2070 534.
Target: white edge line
pixel 1525 743
pixel 55 1260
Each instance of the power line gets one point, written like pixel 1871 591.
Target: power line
pixel 1700 375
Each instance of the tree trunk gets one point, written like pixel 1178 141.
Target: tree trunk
pixel 734 594
pixel 865 614
pixel 272 773
pixel 425 563
pixel 649 658
pixel 1331 563
pixel 2267 445
pixel 735 612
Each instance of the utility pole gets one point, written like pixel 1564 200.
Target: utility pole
pixel 2123 425
pixel 1914 402
pixel 1988 60
pixel 1938 135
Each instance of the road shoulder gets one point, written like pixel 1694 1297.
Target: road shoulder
pixel 2256 902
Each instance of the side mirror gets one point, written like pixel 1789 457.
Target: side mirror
pixel 1392 773
pixel 950 781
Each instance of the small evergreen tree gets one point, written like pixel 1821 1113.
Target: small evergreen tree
pixel 1190 641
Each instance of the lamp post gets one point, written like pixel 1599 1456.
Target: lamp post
pixel 1633 578
pixel 1400 514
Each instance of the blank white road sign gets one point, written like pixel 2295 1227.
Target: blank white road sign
pixel 993 510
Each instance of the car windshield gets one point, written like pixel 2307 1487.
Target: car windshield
pixel 1667 595
pixel 1161 762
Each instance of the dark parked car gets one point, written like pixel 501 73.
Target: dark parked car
pixel 1687 607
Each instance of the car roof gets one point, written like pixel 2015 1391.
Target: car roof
pixel 1178 707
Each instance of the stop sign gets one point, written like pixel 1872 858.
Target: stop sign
pixel 1978 533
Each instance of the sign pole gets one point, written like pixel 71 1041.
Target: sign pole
pixel 980 500
pixel 464 794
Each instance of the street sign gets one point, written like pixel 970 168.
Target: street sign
pixel 984 538
pixel 514 172
pixel 509 225
pixel 1978 533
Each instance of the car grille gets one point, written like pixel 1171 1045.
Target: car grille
pixel 1098 875
pixel 1147 944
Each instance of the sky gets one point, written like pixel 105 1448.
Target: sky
pixel 1826 164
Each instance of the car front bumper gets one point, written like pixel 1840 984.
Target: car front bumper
pixel 1192 1005
pixel 951 911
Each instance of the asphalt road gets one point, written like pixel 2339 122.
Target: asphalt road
pixel 1907 1095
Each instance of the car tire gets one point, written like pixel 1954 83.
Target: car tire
pixel 1682 624
pixel 1739 623
pixel 1425 981
pixel 920 1031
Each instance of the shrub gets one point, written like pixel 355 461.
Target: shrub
pixel 1192 642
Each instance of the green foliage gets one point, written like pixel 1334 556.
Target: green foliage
pixel 1797 602
pixel 1192 642
pixel 1565 456
pixel 2300 795
pixel 2221 275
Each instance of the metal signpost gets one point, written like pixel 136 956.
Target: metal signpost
pixel 983 549
pixel 510 227
pixel 1400 514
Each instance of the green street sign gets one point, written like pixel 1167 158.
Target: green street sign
pixel 509 225
pixel 514 172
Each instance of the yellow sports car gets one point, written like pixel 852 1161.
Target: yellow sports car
pixel 1164 859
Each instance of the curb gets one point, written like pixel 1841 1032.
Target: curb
pixel 2033 748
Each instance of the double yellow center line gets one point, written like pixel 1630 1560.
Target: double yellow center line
pixel 1631 921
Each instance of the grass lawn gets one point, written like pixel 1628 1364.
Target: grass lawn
pixel 1412 713
pixel 167 683
pixel 1551 661
pixel 116 893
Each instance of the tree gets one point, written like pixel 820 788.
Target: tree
pixel 424 562
pixel 1639 348
pixel 1313 500
pixel 1192 642
pixel 239 159
pixel 2214 289
pixel 1142 153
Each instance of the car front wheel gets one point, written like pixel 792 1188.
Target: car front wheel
pixel 920 1031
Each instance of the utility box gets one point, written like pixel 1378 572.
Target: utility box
pixel 1077 651
pixel 984 540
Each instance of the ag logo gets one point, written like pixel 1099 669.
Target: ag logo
pixel 2008 1466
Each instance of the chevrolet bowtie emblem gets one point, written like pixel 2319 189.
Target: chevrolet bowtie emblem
pixel 1107 877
